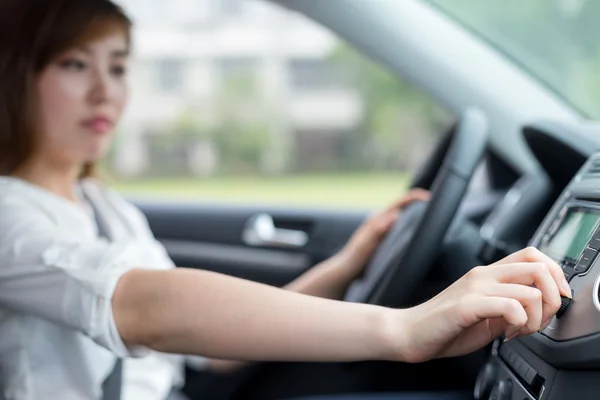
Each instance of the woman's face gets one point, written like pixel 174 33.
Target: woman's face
pixel 81 95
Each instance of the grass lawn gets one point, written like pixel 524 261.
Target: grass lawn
pixel 343 190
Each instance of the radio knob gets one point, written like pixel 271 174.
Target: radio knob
pixel 485 381
pixel 565 302
pixel 502 390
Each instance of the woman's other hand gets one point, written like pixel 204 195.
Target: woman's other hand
pixel 367 238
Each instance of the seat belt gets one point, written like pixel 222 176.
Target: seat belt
pixel 112 385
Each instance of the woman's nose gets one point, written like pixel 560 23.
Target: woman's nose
pixel 104 89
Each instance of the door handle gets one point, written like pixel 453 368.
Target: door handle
pixel 260 230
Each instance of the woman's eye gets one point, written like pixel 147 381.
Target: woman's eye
pixel 74 65
pixel 118 70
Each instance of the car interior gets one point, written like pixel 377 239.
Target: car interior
pixel 537 209
pixel 519 167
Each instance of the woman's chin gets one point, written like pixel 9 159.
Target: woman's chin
pixel 97 148
pixel 96 154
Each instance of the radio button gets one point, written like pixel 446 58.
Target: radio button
pixel 586 260
pixel 530 376
pixel 569 273
pixel 595 241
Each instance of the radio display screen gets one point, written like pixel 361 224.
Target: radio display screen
pixel 573 235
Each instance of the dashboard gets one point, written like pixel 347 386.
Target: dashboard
pixel 563 361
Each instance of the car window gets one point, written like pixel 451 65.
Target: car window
pixel 241 101
pixel 556 41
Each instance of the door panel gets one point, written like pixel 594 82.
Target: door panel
pixel 211 237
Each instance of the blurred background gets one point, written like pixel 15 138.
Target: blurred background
pixel 243 101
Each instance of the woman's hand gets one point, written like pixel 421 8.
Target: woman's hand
pixel 363 243
pixel 516 296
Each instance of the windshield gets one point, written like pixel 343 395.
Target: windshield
pixel 556 41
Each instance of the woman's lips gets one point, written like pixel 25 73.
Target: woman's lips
pixel 99 125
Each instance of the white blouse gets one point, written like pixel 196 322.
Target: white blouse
pixel 58 338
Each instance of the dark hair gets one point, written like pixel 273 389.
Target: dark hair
pixel 33 33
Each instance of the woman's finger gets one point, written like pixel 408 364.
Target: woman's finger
pixel 529 297
pixel 531 254
pixel 530 274
pixel 479 308
pixel 410 197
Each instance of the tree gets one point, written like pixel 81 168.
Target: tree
pixel 399 122
pixel 241 133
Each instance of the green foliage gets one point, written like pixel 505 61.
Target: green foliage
pixel 347 190
pixel 397 127
pixel 393 109
pixel 189 127
pixel 241 133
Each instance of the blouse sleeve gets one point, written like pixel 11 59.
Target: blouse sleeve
pixel 67 280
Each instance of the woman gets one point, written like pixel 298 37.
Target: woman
pixel 72 302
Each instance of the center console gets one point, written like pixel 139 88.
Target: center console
pixel 562 361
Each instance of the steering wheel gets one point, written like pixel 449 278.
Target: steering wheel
pixel 409 250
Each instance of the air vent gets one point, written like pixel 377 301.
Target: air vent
pixel 594 167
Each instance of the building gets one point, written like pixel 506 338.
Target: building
pixel 184 53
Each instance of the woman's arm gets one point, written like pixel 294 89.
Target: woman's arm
pixel 197 312
pixel 191 311
pixel 329 279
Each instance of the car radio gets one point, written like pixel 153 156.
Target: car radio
pixel 528 367
pixel 573 237
pixel 570 235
